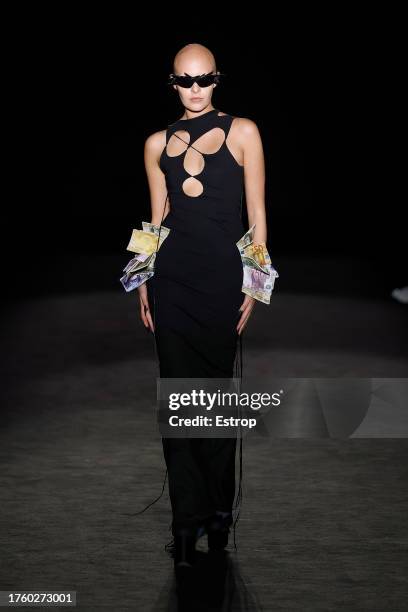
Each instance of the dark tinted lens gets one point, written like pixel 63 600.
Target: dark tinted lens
pixel 205 80
pixel 184 81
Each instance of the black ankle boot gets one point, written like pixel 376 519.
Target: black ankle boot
pixel 218 531
pixel 218 540
pixel 185 550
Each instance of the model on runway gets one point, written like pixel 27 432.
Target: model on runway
pixel 196 300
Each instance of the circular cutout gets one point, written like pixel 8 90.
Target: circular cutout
pixel 193 187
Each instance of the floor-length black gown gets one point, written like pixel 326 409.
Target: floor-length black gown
pixel 196 295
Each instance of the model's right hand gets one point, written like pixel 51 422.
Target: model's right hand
pixel 144 308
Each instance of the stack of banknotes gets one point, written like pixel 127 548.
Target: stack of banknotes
pixel 259 274
pixel 145 243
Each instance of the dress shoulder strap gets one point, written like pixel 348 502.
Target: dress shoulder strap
pixel 167 134
pixel 226 122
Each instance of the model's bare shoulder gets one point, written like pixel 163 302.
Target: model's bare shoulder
pixel 245 127
pixel 244 138
pixel 154 145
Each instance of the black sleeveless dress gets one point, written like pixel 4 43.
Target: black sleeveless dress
pixel 196 288
pixel 196 295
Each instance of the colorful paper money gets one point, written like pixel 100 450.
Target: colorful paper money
pixel 145 243
pixel 259 274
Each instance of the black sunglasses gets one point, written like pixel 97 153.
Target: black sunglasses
pixel 202 80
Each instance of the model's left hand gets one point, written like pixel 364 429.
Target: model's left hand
pixel 246 309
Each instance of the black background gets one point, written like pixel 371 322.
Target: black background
pixel 324 90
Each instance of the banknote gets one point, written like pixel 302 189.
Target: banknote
pixel 252 263
pixel 155 229
pixel 138 270
pixel 140 261
pixel 257 285
pixel 246 239
pixel 148 240
pixel 132 281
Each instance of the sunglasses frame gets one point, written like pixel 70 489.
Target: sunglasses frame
pixel 173 79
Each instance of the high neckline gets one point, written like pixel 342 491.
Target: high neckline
pixel 213 110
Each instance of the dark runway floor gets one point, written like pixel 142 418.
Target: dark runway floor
pixel 323 521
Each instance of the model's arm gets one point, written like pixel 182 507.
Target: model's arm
pixel 254 177
pixel 250 143
pixel 153 148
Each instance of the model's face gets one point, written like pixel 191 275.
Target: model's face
pixel 194 98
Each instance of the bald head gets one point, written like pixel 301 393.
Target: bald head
pixel 194 59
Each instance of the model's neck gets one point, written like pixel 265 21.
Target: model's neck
pixel 189 115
